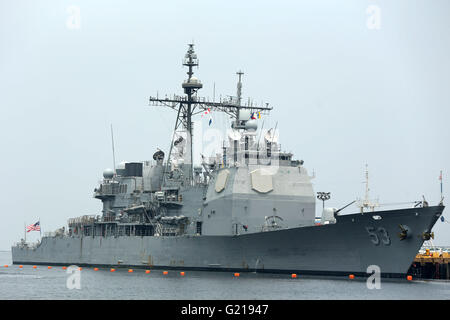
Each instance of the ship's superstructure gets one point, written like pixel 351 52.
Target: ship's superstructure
pixel 249 207
pixel 250 186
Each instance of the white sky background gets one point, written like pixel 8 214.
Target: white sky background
pixel 343 94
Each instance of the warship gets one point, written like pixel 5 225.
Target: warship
pixel 250 207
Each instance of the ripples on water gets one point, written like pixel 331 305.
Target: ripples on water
pixel 43 283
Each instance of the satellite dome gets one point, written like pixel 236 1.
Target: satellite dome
pixel 158 155
pixel 251 125
pixel 108 173
pixel 193 79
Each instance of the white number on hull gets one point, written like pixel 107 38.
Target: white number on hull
pixel 377 234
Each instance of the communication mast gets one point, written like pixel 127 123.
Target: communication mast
pixel 191 105
pixel 366 202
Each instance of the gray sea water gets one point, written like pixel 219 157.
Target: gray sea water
pixel 42 283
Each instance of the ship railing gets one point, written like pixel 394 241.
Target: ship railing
pixel 108 188
pixel 21 244
pixel 86 219
pixel 434 248
pixel 27 245
pixel 52 234
pixel 108 219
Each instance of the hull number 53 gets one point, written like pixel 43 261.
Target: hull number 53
pixel 379 235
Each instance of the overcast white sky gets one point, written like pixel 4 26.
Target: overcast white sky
pixel 348 87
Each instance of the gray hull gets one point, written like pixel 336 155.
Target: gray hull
pixel 355 242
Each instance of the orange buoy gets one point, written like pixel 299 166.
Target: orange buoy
pixel 21 266
pixel 236 274
pixel 95 269
pixel 130 270
pixel 34 267
pixel 112 270
pixel 182 273
pixel 6 266
pixel 351 276
pixel 165 272
pixel 293 276
pixel 80 268
pixel 64 268
pixel 409 278
pixel 49 267
pixel 147 271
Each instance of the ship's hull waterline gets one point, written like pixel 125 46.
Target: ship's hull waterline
pixel 354 243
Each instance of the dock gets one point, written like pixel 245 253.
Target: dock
pixel 431 265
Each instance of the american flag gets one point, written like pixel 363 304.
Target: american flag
pixel 34 227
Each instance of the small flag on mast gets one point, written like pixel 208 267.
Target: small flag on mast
pixel 255 115
pixel 34 227
pixel 206 112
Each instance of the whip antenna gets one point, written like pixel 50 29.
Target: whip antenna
pixel 113 153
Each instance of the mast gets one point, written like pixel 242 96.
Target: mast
pixel 367 202
pixel 191 105
pixel 239 92
pixel 113 153
pixel 190 86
